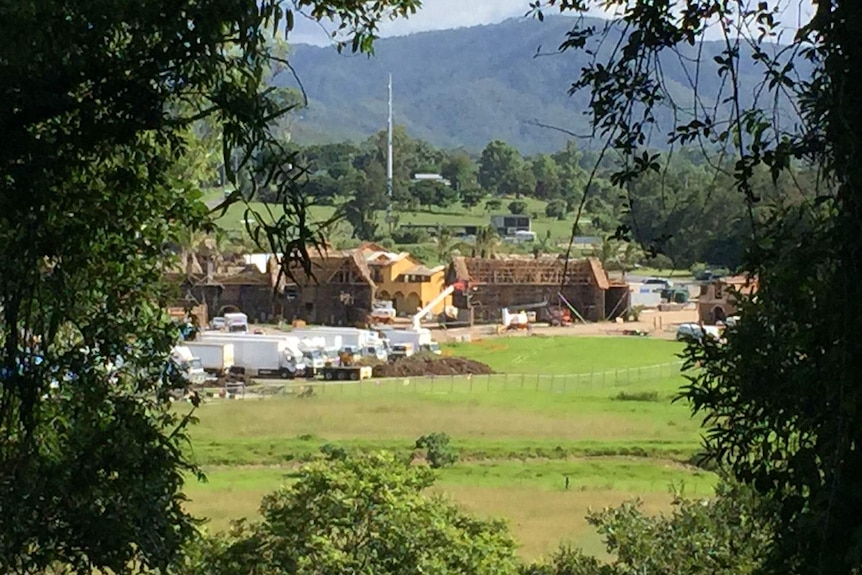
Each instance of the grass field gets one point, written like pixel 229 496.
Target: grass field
pixel 539 354
pixel 518 436
pixel 235 217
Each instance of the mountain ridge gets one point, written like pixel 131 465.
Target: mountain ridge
pixel 467 86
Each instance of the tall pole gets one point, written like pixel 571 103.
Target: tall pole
pixel 389 157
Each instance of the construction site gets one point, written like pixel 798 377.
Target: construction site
pixel 546 286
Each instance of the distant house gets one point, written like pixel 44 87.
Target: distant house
pixel 717 300
pixel 404 280
pixel 508 225
pixel 226 288
pixel 337 289
pixel 344 283
pixel 516 282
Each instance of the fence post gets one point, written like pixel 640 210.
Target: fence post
pixel 522 380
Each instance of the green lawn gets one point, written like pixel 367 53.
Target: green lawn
pixel 542 354
pixel 518 436
pixel 235 217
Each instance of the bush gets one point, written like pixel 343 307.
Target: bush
pixel 410 236
pixel 649 396
pixel 659 262
pixel 333 452
pixel 387 243
pixel 517 207
pixel 437 449
pixel 556 209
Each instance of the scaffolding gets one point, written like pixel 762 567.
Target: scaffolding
pixel 512 282
pixel 534 271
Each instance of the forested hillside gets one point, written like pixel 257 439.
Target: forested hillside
pixel 688 211
pixel 469 86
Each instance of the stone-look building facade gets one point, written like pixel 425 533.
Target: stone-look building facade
pixel 512 282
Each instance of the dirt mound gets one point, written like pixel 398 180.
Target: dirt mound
pixel 419 365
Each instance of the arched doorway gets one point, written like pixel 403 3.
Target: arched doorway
pixel 718 314
pixel 228 309
pixel 412 303
pixel 384 295
pixel 398 303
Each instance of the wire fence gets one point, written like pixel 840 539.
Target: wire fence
pixel 498 382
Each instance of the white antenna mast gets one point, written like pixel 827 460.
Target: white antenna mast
pixel 389 156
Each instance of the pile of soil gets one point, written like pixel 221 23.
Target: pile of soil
pixel 419 365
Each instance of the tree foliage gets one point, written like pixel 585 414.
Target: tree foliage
pixel 360 514
pixel 109 111
pixel 722 535
pixel 780 398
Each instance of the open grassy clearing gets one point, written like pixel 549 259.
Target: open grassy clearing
pixel 234 218
pixel 550 355
pixel 615 441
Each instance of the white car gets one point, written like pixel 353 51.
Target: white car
pixel 218 323
pixel 694 331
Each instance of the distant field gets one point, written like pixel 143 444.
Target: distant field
pixel 519 436
pixel 234 218
pixel 540 354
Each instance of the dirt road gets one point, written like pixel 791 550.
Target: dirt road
pixel 657 324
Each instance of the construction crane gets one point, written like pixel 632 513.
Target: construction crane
pixel 417 318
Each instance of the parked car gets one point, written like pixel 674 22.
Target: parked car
pixel 708 275
pixel 218 323
pixel 659 282
pixel 694 331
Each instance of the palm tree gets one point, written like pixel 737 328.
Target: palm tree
pixel 543 245
pixel 487 241
pixel 189 242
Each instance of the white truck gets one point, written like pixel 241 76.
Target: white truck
pixel 420 339
pixel 368 341
pixel 261 356
pixel 190 365
pixel 236 322
pixel 216 358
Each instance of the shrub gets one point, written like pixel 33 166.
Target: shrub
pixel 637 396
pixel 660 261
pixel 556 209
pixel 517 207
pixel 333 452
pixel 438 451
pixel 410 236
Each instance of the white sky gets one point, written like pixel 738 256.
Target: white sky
pixel 446 14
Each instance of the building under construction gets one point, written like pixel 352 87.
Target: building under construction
pixel 541 284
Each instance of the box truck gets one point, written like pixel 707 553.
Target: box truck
pixel 189 365
pixel 216 358
pixel 261 356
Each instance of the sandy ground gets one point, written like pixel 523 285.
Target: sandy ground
pixel 655 323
